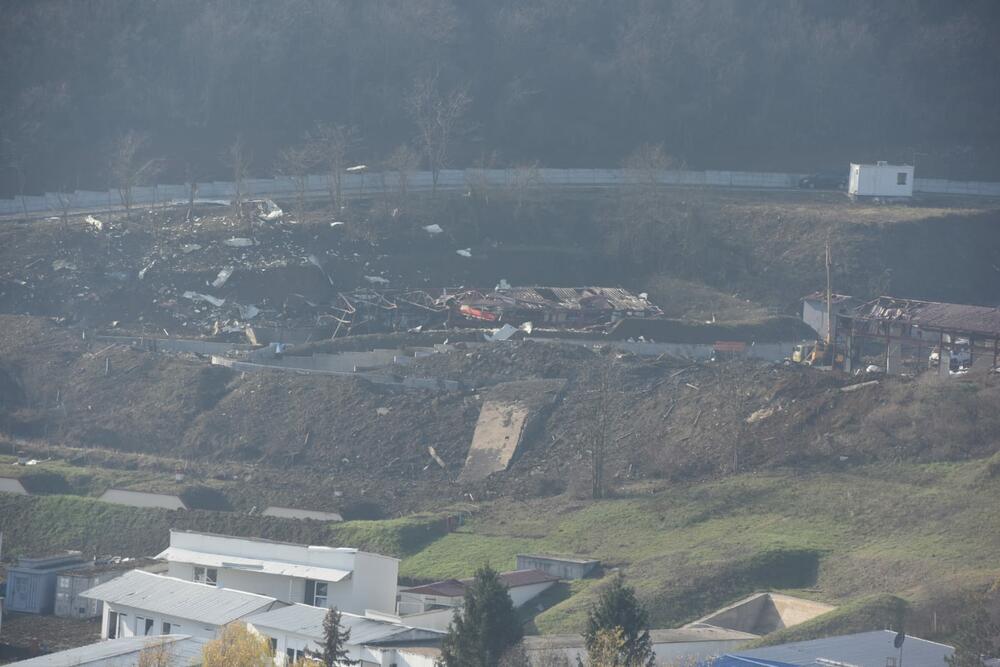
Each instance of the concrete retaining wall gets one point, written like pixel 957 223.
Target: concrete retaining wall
pixel 12 485
pixel 143 499
pixel 436 384
pixel 177 344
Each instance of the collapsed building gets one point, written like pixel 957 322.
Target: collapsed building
pixel 373 310
pixel 905 332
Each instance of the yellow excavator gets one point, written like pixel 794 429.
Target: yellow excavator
pixel 821 352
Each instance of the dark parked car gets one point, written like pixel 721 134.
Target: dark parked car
pixel 829 180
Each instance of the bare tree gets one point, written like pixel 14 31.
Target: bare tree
pixel 403 161
pixel 524 177
pixel 334 145
pixel 296 162
pixel 237 157
pixel 439 118
pixel 601 418
pixel 128 169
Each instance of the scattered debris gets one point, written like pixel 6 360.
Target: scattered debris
pixel 382 411
pixel 142 273
pixel 464 252
pixel 377 280
pixel 437 459
pixel 94 222
pixel 433 229
pixel 188 248
pixel 221 279
pixel 63 265
pixel 236 242
pixel 501 334
pixel 855 387
pixel 197 296
pixel 760 415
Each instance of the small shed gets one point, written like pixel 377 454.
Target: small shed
pixel 563 567
pixel 31 584
pixel 71 583
pixel 814 311
pixel 881 180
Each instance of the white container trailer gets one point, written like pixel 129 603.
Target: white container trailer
pixel 881 180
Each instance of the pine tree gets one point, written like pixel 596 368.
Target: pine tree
pixel 485 628
pixel 618 608
pixel 335 636
pixel 976 638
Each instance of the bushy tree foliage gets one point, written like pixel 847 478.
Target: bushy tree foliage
pixel 486 627
pixel 618 628
pixel 977 636
pixel 237 646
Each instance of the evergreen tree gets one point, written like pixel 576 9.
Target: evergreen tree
pixel 976 638
pixel 335 637
pixel 485 628
pixel 618 608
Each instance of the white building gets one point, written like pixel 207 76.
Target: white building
pixel 297 630
pixel 139 603
pixel 351 580
pixel 814 311
pixel 880 180
pixel 433 605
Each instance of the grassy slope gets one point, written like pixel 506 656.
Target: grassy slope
pixel 688 548
pixel 841 536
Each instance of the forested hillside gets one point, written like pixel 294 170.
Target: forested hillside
pixel 752 84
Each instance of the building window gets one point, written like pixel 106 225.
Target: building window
pixel 274 645
pixel 206 575
pixel 63 582
pixel 317 593
pixel 171 628
pixel 112 624
pixel 901 178
pixel 143 626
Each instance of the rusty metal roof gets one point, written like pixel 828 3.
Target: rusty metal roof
pixel 955 317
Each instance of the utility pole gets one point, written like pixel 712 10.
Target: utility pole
pixel 829 306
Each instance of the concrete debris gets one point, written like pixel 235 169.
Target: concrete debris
pixel 437 459
pixel 248 312
pixel 197 296
pixel 223 276
pixel 238 242
pixel 265 210
pixel 464 252
pixel 433 229
pixel 503 284
pixel 501 334
pixel 142 273
pixel 860 385
pixel 94 222
pixel 377 280
pixel 760 415
pixel 382 412
pixel 314 260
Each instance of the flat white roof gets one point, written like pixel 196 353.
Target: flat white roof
pixel 178 598
pixel 277 567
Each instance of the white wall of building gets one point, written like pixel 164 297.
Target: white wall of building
pixel 127 626
pixel 371 584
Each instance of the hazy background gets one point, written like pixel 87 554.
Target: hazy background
pixel 742 84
